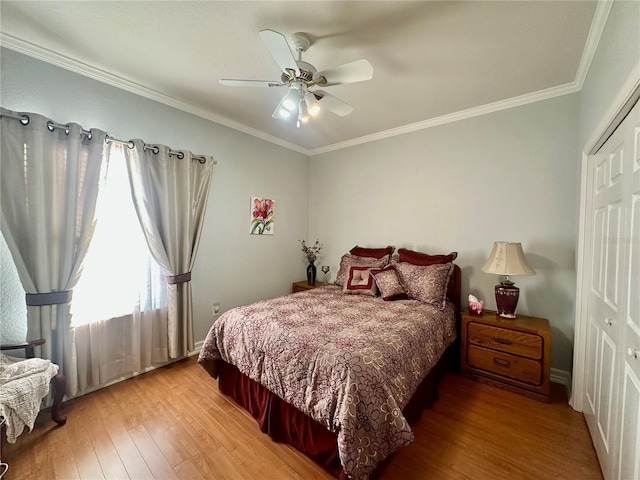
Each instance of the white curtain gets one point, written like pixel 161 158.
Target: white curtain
pixel 49 179
pixel 119 309
pixel 170 191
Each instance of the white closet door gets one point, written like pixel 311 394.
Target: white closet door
pixel 604 296
pixel 629 460
pixel 612 393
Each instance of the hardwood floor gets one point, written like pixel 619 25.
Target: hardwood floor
pixel 173 423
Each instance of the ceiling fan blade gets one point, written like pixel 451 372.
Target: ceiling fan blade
pixel 333 104
pixel 249 83
pixel 358 71
pixel 279 49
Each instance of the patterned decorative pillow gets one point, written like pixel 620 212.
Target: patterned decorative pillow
pixel 419 258
pixel 427 283
pixel 347 260
pixel 360 281
pixel 389 284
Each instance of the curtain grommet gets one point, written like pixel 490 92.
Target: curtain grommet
pixel 51 126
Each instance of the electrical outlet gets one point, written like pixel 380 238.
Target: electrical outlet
pixel 216 308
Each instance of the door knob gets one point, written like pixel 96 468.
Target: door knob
pixel 608 321
pixel 633 352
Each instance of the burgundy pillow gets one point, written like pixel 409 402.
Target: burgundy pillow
pixel 360 281
pixel 347 260
pixel 419 258
pixel 389 284
pixel 371 252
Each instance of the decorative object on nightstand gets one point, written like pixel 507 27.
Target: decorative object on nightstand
pixel 311 252
pixel 513 355
pixel 325 271
pixel 476 307
pixel 507 258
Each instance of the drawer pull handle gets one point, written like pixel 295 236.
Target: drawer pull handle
pixel 501 361
pixel 633 353
pixel 504 341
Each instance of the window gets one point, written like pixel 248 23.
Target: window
pixel 119 276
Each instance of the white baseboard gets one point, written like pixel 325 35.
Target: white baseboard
pixel 563 378
pixel 196 348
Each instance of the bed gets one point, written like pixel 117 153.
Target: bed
pixel 338 376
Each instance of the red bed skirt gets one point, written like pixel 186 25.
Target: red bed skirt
pixel 284 423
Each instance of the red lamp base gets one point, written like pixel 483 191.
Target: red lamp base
pixel 507 298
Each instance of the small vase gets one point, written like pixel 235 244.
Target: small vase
pixel 311 274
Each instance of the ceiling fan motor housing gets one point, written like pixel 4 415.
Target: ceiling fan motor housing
pixel 301 41
pixel 306 73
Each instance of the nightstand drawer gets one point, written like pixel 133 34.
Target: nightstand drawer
pixel 518 368
pixel 509 341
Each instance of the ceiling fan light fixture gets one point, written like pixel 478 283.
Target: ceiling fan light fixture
pixel 289 104
pixel 313 107
pixel 284 113
pixel 303 111
pixel 290 100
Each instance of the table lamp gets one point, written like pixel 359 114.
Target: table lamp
pixel 507 258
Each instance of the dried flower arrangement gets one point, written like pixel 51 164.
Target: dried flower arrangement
pixel 311 252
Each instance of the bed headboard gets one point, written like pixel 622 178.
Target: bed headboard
pixel 454 290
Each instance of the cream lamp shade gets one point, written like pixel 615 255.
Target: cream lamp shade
pixel 507 258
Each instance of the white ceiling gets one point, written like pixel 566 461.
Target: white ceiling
pixel 433 61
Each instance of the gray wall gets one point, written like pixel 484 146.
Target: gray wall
pixel 617 54
pixel 232 266
pixel 509 175
pixel 13 311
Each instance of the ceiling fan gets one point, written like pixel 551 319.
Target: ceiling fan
pixel 302 79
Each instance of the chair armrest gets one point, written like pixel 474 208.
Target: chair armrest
pixel 27 346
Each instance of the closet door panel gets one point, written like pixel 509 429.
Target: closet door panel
pixel 593 336
pixel 629 460
pixel 606 401
pixel 611 273
pixel 597 259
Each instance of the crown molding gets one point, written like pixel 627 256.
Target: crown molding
pixel 598 23
pixel 62 61
pixel 595 32
pixel 455 117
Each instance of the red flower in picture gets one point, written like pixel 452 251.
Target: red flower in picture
pixel 262 216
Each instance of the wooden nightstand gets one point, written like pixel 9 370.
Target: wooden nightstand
pixel 510 354
pixel 303 285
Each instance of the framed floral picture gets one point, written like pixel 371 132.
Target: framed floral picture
pixel 262 216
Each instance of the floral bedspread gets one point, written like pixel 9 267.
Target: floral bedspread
pixel 350 362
